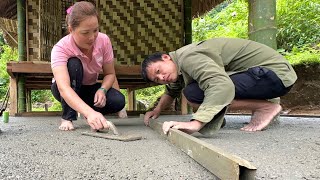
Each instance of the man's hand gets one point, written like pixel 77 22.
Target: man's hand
pixel 151 114
pixel 100 99
pixel 97 121
pixel 187 127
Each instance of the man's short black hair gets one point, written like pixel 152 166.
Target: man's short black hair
pixel 147 61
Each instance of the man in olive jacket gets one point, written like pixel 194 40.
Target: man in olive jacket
pixel 217 74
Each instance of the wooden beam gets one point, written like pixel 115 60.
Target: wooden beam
pixel 39 113
pixel 45 68
pixel 217 161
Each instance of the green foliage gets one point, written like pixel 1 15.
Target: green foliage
pixel 149 95
pixel 2 42
pixel 303 55
pixel 298 23
pixel 298 27
pixel 227 20
pixel 6 54
pixel 41 96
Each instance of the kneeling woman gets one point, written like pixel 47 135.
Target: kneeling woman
pixel 76 61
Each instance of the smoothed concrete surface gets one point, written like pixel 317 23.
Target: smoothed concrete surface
pixel 289 149
pixel 34 148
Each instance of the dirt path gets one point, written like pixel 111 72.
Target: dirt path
pixel 33 148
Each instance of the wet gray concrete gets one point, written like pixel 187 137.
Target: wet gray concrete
pixel 34 148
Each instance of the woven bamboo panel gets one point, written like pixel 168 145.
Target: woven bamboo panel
pixel 33 33
pixel 141 27
pixel 50 27
pixel 43 28
pixel 136 28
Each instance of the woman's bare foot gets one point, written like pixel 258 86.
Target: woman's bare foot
pixel 122 113
pixel 66 125
pixel 262 117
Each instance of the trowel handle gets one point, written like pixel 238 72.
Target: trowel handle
pixel 113 128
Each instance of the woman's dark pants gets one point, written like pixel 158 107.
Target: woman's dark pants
pixel 115 99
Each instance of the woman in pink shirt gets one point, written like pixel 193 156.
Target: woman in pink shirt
pixel 76 61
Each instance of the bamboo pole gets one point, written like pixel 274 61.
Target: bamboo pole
pixel 262 22
pixel 187 21
pixel 21 13
pixel 185 109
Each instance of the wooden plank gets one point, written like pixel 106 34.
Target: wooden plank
pixel 128 70
pixel 45 67
pixel 29 67
pixel 137 113
pixel 39 113
pixel 217 161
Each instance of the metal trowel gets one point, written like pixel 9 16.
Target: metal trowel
pixel 113 134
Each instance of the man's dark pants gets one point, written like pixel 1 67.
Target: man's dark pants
pixel 255 83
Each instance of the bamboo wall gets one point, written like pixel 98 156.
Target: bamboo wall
pixel 141 27
pixel 43 28
pixel 136 28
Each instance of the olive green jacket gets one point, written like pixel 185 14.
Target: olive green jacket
pixel 211 62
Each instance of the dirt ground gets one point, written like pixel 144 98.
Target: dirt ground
pixel 304 97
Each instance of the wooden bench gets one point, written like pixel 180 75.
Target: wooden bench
pixel 38 76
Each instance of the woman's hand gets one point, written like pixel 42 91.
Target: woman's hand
pixel 97 121
pixel 100 99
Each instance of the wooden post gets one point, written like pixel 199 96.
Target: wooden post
pixel 131 99
pixel 184 105
pixel 13 110
pixel 28 99
pixel 262 22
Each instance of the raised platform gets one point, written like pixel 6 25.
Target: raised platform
pixel 38 76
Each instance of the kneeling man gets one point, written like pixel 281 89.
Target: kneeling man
pixel 217 74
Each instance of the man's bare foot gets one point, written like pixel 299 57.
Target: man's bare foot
pixel 187 127
pixel 262 117
pixel 66 125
